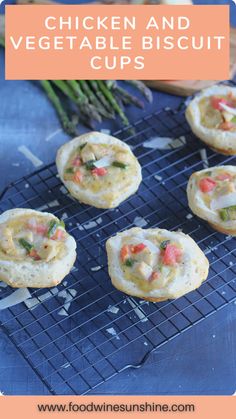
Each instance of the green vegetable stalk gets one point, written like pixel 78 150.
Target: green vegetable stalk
pixel 142 88
pixel 228 214
pixel 119 164
pixel 113 102
pixel 53 226
pixel 2 41
pixel 27 246
pixel 68 125
pixel 95 99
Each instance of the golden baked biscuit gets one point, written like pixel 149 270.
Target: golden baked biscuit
pixel 35 249
pixel 155 264
pixel 212 117
pixel 212 196
pixel 98 169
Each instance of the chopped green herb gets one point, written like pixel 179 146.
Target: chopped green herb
pixel 27 246
pixel 82 146
pixel 119 164
pixel 164 244
pixel 233 120
pixel 228 214
pixel 53 225
pixel 129 262
pixel 160 267
pixel 90 164
pixel 223 214
pixel 208 173
pixel 52 228
pixel 70 170
pixel 62 224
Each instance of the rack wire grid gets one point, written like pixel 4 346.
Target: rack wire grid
pixel 83 332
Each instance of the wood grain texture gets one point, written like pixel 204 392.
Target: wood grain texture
pixel 189 87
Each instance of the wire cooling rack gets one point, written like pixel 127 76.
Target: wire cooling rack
pixel 83 332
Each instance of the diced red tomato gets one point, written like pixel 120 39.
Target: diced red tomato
pixel 78 176
pixel 58 235
pixel 171 255
pixel 37 228
pixel 99 171
pixel 226 126
pixel 155 275
pixel 34 255
pixel 216 102
pixel 77 162
pixel 31 223
pixel 224 176
pixel 138 248
pixel 41 229
pixel 125 253
pixel 207 184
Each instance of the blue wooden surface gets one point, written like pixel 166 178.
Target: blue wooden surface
pixel 202 360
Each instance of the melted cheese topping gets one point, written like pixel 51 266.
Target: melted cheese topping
pixel 85 164
pixel 221 198
pixel 150 261
pixel 223 186
pixel 215 117
pixel 37 238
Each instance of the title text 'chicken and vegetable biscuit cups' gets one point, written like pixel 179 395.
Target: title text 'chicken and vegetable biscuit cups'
pixel 98 169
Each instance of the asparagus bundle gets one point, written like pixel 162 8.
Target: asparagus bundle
pixel 91 100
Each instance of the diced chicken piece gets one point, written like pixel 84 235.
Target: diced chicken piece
pixel 7 243
pixel 49 250
pixel 123 157
pixel 164 277
pixel 228 188
pixel 99 151
pixel 148 257
pixel 212 118
pixel 87 153
pixel 227 116
pixel 142 271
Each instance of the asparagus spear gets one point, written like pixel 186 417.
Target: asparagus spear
pixel 94 100
pixel 142 88
pixel 100 95
pixel 111 84
pixel 83 103
pixel 128 97
pixel 68 126
pixel 2 41
pixel 65 88
pixel 62 85
pixel 109 96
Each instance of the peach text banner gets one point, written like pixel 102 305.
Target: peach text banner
pixel 117 407
pixel 134 42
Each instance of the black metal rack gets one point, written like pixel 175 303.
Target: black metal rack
pixel 84 331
